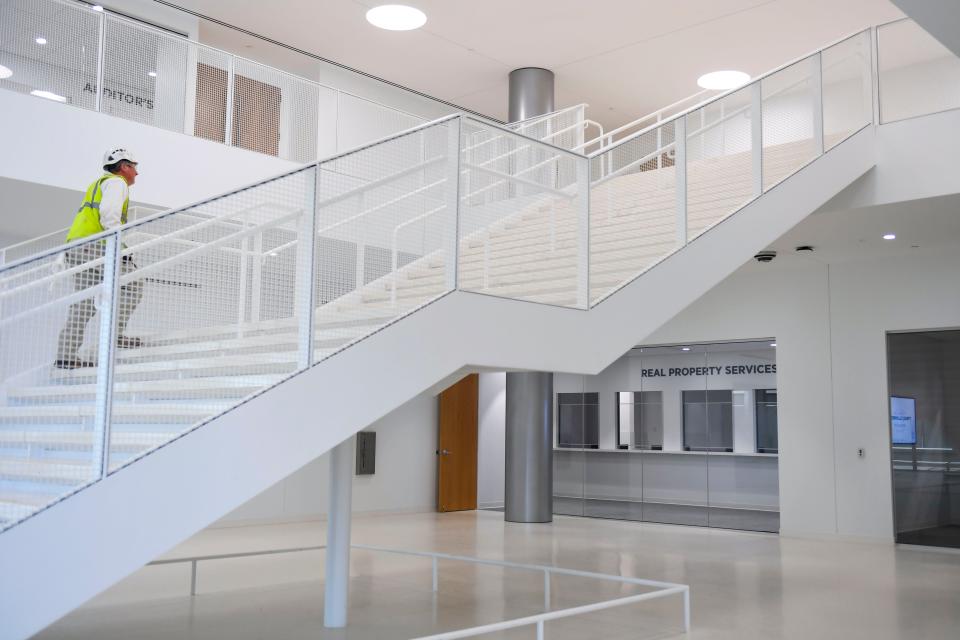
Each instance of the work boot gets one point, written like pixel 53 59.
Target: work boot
pixel 73 364
pixel 126 342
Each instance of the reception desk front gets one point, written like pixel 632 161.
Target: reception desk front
pixel 715 489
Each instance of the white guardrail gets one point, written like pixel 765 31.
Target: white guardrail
pixel 661 589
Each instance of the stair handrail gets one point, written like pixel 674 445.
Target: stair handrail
pixel 727 93
pixel 653 114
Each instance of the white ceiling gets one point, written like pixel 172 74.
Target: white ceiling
pixel 625 58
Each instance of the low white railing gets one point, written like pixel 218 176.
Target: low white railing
pixel 662 589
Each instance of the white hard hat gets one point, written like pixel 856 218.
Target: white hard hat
pixel 116 155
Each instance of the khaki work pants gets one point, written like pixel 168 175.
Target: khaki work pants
pixel 79 314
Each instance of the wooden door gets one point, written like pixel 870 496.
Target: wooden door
pixel 457 446
pixel 256 115
pixel 210 115
pixel 256 110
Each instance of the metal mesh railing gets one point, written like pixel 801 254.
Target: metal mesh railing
pixel 68 52
pixel 523 218
pixel 917 75
pixel 659 188
pixel 633 208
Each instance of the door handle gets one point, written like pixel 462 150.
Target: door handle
pixel 444 452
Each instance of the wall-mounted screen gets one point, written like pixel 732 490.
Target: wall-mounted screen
pixel 903 420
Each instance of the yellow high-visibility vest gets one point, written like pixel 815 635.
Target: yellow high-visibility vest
pixel 87 221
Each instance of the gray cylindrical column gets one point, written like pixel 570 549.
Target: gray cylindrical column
pixel 531 93
pixel 528 481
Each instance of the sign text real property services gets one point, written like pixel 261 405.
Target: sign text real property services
pixel 728 370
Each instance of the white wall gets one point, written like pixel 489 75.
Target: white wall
pixel 492 404
pixel 405 478
pixel 830 323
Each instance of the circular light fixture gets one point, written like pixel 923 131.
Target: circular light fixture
pixel 97 7
pixel 5 72
pixel 152 74
pixel 396 17
pixel 41 40
pixel 889 236
pixel 773 344
pixel 685 349
pixel 722 80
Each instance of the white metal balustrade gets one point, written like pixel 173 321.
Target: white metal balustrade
pixel 232 295
pixel 98 60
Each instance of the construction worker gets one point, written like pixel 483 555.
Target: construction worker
pixel 104 207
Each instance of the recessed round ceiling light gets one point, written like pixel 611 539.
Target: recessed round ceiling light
pixel 41 40
pixel 396 17
pixel 152 74
pixel 97 7
pixel 685 349
pixel 5 72
pixel 773 344
pixel 721 80
pixel 890 236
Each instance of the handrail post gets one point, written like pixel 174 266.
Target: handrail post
pixel 582 204
pixel 453 203
pixel 101 49
pixel 875 75
pixel 816 79
pixel 228 120
pixel 306 268
pixel 436 575
pixel 546 590
pixel 756 136
pixel 110 288
pixel 680 166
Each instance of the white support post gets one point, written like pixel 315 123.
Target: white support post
pixel 101 49
pixel 659 141
pixel 244 284
pixel 256 285
pixel 582 203
pixel 686 610
pixel 539 629
pixel 546 590
pixel 436 574
pixel 110 289
pixel 337 586
pixel 875 74
pixel 452 194
pixel 228 121
pixel 680 166
pixel 816 80
pixel 306 267
pixel 193 578
pixel 756 136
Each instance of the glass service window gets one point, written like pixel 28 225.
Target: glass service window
pixel 708 420
pixel 578 420
pixel 766 412
pixel 639 420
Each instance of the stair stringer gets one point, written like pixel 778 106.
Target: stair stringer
pixel 66 554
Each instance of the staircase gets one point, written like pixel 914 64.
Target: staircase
pixel 271 313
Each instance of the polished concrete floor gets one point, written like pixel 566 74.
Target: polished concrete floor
pixel 743 585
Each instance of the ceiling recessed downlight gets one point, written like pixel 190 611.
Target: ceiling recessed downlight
pixel 685 349
pixel 152 74
pixel 889 236
pixel 49 95
pixel 41 40
pixel 396 17
pixel 5 72
pixel 722 80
